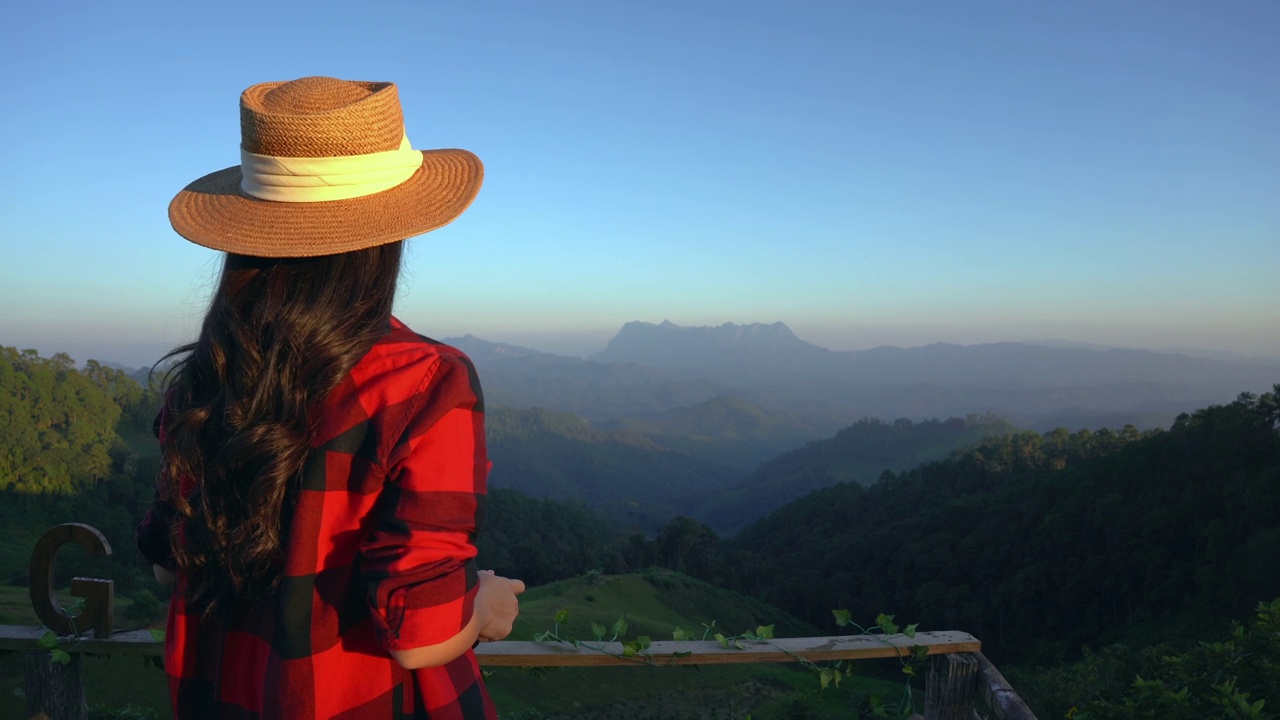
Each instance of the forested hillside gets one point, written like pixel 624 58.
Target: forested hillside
pixel 731 431
pixel 640 474
pixel 541 541
pixel 1040 544
pixel 73 449
pixel 625 476
pixel 58 424
pixel 857 454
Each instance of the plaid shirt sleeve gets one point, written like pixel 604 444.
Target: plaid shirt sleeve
pixel 419 559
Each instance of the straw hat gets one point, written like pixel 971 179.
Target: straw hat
pixel 325 168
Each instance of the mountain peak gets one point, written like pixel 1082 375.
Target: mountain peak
pixel 753 348
pixel 726 333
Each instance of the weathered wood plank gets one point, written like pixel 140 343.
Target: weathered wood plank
pixel 1004 701
pixel 709 652
pixel 516 653
pixel 134 642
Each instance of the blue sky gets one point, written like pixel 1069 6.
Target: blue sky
pixel 866 172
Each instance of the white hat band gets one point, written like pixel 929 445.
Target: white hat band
pixel 317 179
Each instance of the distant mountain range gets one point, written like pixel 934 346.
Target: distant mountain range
pixel 650 368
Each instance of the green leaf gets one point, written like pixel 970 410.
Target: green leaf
pixel 156 634
pixel 909 670
pixel 910 630
pixel 48 641
pixel 764 632
pixel 61 656
pixel 643 643
pixel 886 624
pixel 825 677
pixel 75 608
pixel 629 649
pixel 562 617
pixel 542 636
pixel 680 634
pixel 620 627
pixel 597 630
pixel 842 617
pixel 724 643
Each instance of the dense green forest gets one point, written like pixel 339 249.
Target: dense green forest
pixel 59 424
pixel 1041 544
pixel 857 454
pixel 74 448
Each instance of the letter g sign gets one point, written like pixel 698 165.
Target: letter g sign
pixel 99 595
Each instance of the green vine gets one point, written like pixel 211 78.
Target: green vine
pixel 829 675
pixel 50 640
pixel 61 647
pixel 912 658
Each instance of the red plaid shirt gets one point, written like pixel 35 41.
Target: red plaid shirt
pixel 380 557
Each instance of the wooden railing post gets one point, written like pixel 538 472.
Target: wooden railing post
pixel 1004 701
pixel 54 691
pixel 950 687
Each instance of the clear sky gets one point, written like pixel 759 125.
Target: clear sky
pixel 869 173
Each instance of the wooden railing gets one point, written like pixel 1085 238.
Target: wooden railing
pixel 957 677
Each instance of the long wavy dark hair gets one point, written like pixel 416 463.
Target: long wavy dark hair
pixel 280 335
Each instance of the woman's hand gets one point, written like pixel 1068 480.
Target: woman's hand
pixel 164 575
pixel 497 605
pixel 496 608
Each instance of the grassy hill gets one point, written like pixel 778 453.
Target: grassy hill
pixel 655 602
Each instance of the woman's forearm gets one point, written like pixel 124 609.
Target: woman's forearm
pixel 494 610
pixel 441 653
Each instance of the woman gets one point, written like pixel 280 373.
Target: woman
pixel 323 466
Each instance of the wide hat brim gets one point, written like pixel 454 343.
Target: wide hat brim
pixel 214 212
